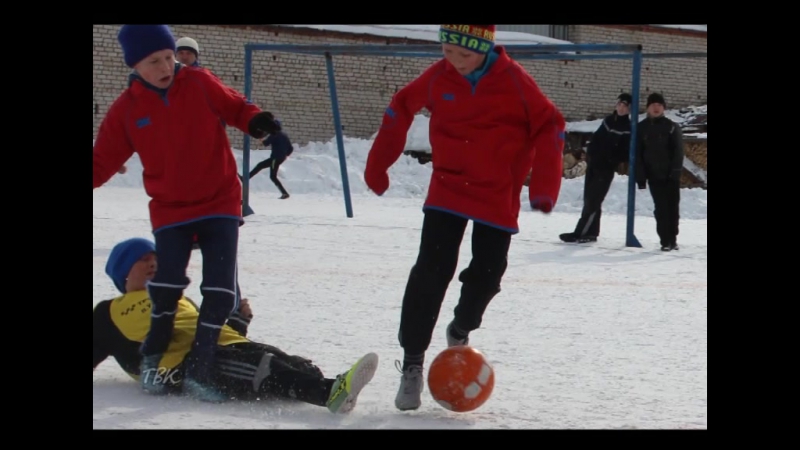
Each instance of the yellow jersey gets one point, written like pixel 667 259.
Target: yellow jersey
pixel 120 325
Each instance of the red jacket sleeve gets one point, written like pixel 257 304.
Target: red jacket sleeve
pixel 392 136
pixel 229 104
pixel 112 147
pixel 547 133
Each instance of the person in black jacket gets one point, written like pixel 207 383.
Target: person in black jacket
pixel 609 146
pixel 659 163
pixel 281 149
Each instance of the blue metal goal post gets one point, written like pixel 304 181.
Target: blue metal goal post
pixel 568 52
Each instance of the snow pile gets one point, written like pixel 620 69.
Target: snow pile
pixel 689 118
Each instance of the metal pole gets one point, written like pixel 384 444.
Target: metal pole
pixel 377 49
pixel 248 88
pixel 630 238
pixel 337 122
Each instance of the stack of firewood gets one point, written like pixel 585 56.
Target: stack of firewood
pixel 697 152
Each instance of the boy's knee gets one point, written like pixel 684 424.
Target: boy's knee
pixel 433 271
pixel 164 281
pixel 165 295
pixel 221 299
pixel 487 277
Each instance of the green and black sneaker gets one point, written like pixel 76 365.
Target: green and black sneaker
pixel 348 385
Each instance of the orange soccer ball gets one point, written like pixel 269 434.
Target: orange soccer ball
pixel 460 379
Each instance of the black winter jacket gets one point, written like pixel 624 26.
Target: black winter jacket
pixel 610 144
pixel 659 150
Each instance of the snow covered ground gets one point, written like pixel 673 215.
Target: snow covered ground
pixel 592 336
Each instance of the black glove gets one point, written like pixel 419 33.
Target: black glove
pixel 262 124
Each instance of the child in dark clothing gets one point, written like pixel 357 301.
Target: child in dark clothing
pixel 659 164
pixel 281 149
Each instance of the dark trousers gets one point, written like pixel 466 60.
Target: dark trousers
pixel 595 188
pixel 218 241
pixel 667 200
pixel 435 268
pixel 274 165
pixel 248 371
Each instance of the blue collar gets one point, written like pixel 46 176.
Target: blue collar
pixel 491 57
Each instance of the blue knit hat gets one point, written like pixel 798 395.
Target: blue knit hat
pixel 139 41
pixel 122 258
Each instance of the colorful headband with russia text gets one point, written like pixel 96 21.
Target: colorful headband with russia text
pixel 476 39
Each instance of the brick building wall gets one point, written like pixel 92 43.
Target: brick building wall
pixel 683 81
pixel 295 87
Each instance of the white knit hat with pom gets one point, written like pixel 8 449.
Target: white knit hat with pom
pixel 187 43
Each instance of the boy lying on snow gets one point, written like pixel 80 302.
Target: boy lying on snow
pixel 244 370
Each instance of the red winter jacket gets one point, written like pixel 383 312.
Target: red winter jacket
pixel 190 171
pixel 485 141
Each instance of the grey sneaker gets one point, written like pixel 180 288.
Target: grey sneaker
pixel 411 385
pixel 451 341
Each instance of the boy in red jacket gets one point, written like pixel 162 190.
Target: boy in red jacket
pixel 490 126
pixel 174 117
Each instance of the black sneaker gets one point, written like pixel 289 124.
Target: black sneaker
pixel 568 237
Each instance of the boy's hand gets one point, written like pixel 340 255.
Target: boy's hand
pixel 542 204
pixel 244 309
pixel 378 182
pixel 262 124
pixel 122 170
